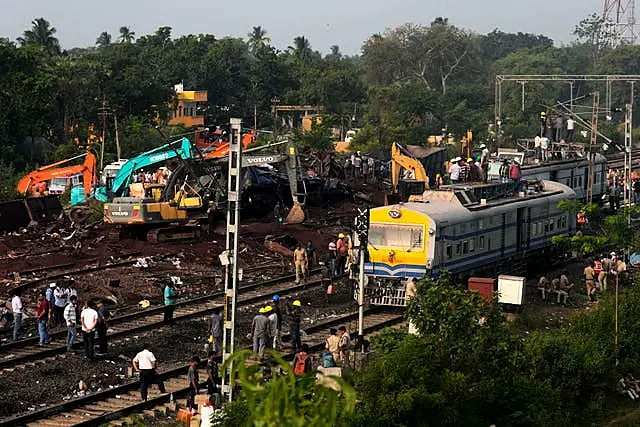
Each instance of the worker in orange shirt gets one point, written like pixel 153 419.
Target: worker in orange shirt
pixel 343 250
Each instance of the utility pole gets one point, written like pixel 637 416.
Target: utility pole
pixel 627 155
pixel 275 101
pixel 103 113
pixel 230 257
pixel 115 121
pixel 255 117
pixel 592 146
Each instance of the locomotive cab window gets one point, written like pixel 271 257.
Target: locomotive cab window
pixel 396 236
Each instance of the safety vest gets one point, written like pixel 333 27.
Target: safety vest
pixel 581 218
pixel 299 368
pixel 597 267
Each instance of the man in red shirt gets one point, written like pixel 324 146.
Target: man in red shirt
pixel 43 320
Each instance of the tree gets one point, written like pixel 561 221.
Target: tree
pixel 126 35
pixel 597 33
pixel 103 40
pixel 301 49
pixel 42 34
pixel 258 39
pixel 335 53
pixel 285 399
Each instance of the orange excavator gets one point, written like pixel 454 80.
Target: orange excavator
pixel 221 149
pixel 54 178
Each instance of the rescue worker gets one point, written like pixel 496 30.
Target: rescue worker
pixel 357 165
pixel 302 361
pixel 260 331
pixel 581 219
pixel 170 297
pixel 565 287
pixel 543 286
pixel 484 162
pixel 272 317
pixel 278 214
pixel 597 269
pixel 300 262
pixel 475 173
pixel 589 274
pixel 295 317
pixel 543 122
pixel 454 171
pixel 604 272
pixel 344 346
pixel 342 250
pixel 504 171
pixel 515 174
pixel 333 258
pixel 312 258
pixel 277 342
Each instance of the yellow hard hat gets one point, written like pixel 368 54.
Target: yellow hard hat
pixel 542 113
pixel 469 159
pixel 261 310
pixel 340 236
pixel 268 309
pixel 297 303
pixel 210 339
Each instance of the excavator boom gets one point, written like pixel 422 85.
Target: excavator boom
pixel 400 158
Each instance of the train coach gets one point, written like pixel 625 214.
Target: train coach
pixel 571 172
pixel 462 229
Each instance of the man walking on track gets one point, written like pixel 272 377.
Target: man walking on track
pixel 145 363
pixel 89 320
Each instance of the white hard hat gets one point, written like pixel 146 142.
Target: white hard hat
pixel 483 146
pixel 613 254
pixel 458 159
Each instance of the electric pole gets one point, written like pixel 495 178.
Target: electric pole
pixel 592 146
pixel 103 114
pixel 230 257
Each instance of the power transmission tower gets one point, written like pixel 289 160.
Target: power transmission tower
pixel 622 13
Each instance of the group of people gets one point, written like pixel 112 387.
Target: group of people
pixel 601 271
pixel 160 176
pixel 266 327
pixel 340 254
pixel 471 170
pixel 360 167
pixel 557 128
pixel 560 285
pixel 617 182
pixel 57 306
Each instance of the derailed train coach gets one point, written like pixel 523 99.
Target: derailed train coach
pixel 461 229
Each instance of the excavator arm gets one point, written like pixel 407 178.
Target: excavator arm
pixel 401 158
pixel 155 156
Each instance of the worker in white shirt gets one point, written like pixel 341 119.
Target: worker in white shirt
pixel 571 124
pixel 16 308
pixel 89 320
pixel 145 363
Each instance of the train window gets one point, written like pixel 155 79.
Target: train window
pixel 481 224
pixel 489 243
pixel 458 249
pixel 472 245
pixel 534 229
pixel 551 224
pixel 396 236
pixel 564 221
pixel 559 223
pixel 465 247
pixel 546 228
pixel 449 251
pixel 481 242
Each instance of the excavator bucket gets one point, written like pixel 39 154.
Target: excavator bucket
pixel 296 214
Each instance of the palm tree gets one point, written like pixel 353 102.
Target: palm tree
pixel 301 48
pixel 103 40
pixel 42 34
pixel 258 39
pixel 126 35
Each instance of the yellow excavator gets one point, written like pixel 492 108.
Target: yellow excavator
pixel 408 176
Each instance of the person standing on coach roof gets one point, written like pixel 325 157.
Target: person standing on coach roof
pixel 16 308
pixel 145 363
pixel 89 320
pixel 170 297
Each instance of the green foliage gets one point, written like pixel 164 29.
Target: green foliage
pixel 8 182
pixel 287 399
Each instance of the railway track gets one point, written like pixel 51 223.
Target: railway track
pixel 27 351
pixel 112 404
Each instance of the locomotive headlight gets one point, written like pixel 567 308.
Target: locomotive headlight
pixel 432 232
pixel 429 263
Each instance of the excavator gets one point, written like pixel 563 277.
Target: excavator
pixel 415 180
pixel 191 194
pixel 54 178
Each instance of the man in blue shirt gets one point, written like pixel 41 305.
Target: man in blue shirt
pixel 170 297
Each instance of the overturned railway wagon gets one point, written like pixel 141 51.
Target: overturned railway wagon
pixel 15 214
pixel 461 229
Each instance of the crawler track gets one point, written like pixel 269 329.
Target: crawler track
pixel 27 351
pixel 115 403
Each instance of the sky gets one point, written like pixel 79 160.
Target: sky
pixel 346 23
